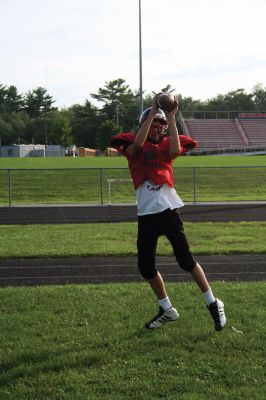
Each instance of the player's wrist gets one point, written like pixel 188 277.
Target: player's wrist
pixel 171 120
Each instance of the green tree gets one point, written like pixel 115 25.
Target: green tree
pixel 13 127
pixel 85 122
pixel 127 111
pixel 217 103
pixel 18 122
pixel 10 99
pixel 236 100
pixel 38 102
pixel 120 104
pixel 259 97
pixel 6 132
pixel 107 129
pixel 36 130
pixel 58 128
pixel 190 104
pixel 111 92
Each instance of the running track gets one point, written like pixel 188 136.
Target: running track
pixel 29 272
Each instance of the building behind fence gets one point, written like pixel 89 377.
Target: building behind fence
pixel 31 150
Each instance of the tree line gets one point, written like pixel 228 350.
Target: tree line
pixel 33 118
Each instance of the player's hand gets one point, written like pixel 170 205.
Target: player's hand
pixel 174 111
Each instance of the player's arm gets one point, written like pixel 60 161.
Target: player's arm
pixel 143 131
pixel 174 148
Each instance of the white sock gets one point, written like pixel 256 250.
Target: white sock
pixel 165 303
pixel 209 297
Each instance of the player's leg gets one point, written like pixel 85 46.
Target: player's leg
pixel 157 285
pixel 175 234
pixel 147 244
pixel 200 278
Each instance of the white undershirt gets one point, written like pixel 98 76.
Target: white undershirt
pixel 152 199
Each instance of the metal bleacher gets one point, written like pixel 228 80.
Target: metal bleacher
pixel 227 134
pixel 215 134
pixel 255 131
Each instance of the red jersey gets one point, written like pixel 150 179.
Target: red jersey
pixel 153 161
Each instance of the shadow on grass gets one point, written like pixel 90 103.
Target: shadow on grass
pixel 30 365
pixel 161 333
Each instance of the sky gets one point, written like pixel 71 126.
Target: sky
pixel 201 48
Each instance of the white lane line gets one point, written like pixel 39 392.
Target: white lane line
pixel 127 275
pixel 124 265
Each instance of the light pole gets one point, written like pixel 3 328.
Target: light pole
pixel 140 63
pixel 117 114
pixel 45 121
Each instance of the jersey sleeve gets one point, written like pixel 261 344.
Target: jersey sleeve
pixel 187 144
pixel 121 141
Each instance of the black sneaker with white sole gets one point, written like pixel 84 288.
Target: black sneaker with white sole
pixel 217 312
pixel 162 318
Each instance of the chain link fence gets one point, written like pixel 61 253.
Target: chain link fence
pixel 103 186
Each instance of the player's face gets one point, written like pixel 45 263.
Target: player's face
pixel 156 131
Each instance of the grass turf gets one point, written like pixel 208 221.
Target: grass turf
pixel 84 180
pixel 111 162
pixel 81 240
pixel 88 342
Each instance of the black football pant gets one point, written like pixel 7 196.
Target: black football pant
pixel 150 227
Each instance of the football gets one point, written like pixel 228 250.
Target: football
pixel 166 101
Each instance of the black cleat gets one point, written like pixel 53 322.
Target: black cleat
pixel 162 318
pixel 217 312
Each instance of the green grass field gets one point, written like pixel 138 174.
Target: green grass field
pixel 85 180
pixel 87 342
pixel 119 239
pixel 111 162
